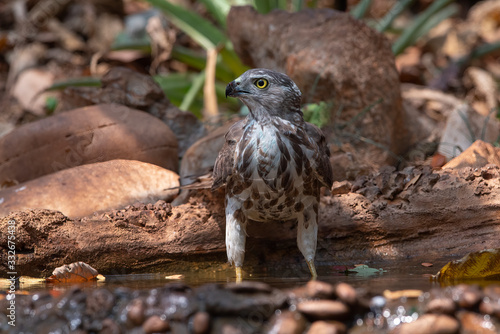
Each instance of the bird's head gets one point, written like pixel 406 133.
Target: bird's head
pixel 266 92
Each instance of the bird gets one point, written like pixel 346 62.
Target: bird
pixel 272 164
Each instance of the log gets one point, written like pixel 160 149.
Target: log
pixel 388 216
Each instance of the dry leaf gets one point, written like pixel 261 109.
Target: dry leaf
pixel 179 276
pixel 73 273
pixel 483 264
pixel 394 295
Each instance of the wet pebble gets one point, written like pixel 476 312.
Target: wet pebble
pixel 287 322
pixel 135 311
pixel 249 287
pixel 490 307
pixel 323 309
pixel 320 290
pixel 442 306
pixel 201 323
pixel 346 293
pixel 155 324
pixel 327 327
pixel 109 326
pixel 476 323
pixel 467 296
pixel 430 324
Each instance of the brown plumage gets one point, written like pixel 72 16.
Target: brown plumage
pixel 272 164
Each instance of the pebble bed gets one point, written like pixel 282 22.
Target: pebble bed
pixel 254 307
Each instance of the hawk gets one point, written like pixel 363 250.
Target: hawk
pixel 272 164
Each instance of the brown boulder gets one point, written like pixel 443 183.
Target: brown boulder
pixel 332 57
pixel 82 190
pixel 139 91
pixel 82 136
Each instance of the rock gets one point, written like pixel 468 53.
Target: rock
pixel 199 159
pixel 467 296
pixel 249 287
pixel 139 91
pixel 331 57
pixel 346 293
pixel 340 188
pixel 286 322
pixel 476 323
pixel 323 309
pixel 327 327
pixel 249 304
pixel 201 323
pixel 442 306
pixel 82 136
pixel 478 155
pixel 319 290
pixel 83 190
pixel 135 312
pixel 155 324
pixel 430 324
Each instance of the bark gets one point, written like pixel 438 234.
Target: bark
pixel 388 216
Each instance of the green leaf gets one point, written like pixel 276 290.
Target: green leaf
pixel 76 82
pixel 360 10
pixel 395 11
pixel 219 9
pixel 199 29
pixel 420 25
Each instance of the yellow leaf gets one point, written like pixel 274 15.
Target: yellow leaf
pixel 483 264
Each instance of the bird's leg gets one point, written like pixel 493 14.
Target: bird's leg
pixel 307 234
pixel 235 235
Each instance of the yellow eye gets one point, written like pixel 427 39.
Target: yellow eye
pixel 261 83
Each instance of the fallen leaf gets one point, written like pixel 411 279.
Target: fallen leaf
pixel 179 276
pixel 410 293
pixel 364 270
pixel 483 264
pixel 73 273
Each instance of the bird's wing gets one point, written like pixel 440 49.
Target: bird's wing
pixel 225 161
pixel 324 168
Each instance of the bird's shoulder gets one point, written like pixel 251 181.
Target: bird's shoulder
pixel 324 167
pixel 225 160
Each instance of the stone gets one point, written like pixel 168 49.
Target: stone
pixel 327 327
pixel 478 155
pixel 346 293
pixel 476 323
pixel 199 159
pixel 319 290
pixel 83 136
pixel 323 309
pixel 442 306
pixel 155 324
pixel 139 91
pixel 331 57
pixel 339 188
pixel 286 322
pixel 83 190
pixel 467 296
pixel 430 324
pixel 201 323
pixel 135 311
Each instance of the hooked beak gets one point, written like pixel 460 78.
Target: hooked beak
pixel 233 89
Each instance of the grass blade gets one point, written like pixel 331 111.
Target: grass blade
pixel 198 28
